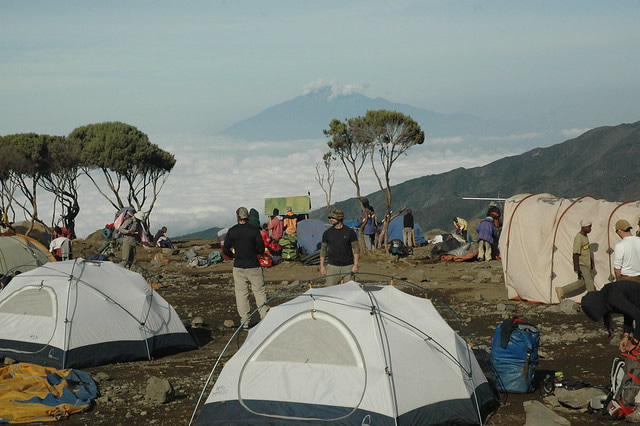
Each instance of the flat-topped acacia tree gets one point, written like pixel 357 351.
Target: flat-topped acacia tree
pixel 134 169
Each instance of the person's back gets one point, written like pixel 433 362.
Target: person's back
pixel 290 222
pixel 246 241
pixel 486 230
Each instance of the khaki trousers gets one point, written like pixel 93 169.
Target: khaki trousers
pixel 579 286
pixel 484 250
pixel 409 238
pixel 337 273
pixel 242 279
pixel 128 252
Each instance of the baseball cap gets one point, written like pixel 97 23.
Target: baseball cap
pixel 622 225
pixel 242 213
pixel 140 215
pixel 336 214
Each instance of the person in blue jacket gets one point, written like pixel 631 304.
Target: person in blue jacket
pixel 487 235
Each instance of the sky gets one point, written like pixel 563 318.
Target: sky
pixel 181 71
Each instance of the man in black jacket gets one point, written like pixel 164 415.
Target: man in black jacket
pixel 247 244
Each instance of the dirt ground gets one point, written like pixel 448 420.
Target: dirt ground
pixel 569 343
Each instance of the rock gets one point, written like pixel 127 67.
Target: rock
pixel 540 415
pixel 284 282
pixel 501 307
pixel 197 322
pixel 101 377
pixel 478 296
pixel 484 275
pixel 229 323
pixel 569 337
pixel 496 278
pixel 467 278
pixel 196 248
pixel 418 276
pixel 9 361
pixel 159 391
pixel 552 401
pixel 170 252
pixel 578 399
pixel 568 306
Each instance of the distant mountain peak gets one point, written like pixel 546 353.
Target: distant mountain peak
pixel 332 89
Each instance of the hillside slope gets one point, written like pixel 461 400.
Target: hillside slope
pixel 603 162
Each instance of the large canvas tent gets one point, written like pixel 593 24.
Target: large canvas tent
pixel 346 355
pixel 21 253
pixel 80 313
pixel 537 239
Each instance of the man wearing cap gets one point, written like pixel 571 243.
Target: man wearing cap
pixel 340 245
pixel 583 264
pixel 626 254
pixel 247 244
pixel 131 231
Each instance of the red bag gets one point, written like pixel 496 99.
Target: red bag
pixel 265 261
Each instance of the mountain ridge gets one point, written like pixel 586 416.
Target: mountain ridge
pixel 603 162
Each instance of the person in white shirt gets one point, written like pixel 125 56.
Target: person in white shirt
pixel 626 254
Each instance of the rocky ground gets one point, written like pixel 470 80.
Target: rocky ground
pixel 138 393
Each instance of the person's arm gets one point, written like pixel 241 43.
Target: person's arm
pixel 323 255
pixel 355 247
pixel 228 243
pixel 259 243
pixel 618 273
pixel 576 265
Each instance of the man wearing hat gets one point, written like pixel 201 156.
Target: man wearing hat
pixel 583 264
pixel 340 245
pixel 131 231
pixel 247 244
pixel 626 254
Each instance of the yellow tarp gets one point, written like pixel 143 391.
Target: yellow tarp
pixel 31 393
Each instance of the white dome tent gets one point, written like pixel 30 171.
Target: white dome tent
pixel 351 355
pixel 82 313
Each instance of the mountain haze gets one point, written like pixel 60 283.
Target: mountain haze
pixel 305 116
pixel 603 162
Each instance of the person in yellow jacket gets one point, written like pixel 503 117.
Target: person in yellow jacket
pixel 290 222
pixel 461 227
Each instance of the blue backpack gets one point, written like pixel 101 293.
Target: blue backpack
pixel 514 355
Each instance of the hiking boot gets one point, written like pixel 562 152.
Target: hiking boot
pixel 560 293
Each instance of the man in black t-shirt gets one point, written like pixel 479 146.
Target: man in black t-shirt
pixel 247 244
pixel 340 243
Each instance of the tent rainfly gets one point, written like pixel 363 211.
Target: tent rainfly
pixel 80 313
pixel 21 253
pixel 537 240
pixel 346 355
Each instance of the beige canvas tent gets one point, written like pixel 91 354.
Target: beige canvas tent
pixel 537 239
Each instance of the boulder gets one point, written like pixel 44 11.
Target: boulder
pixel 159 391
pixel 540 415
pixel 579 398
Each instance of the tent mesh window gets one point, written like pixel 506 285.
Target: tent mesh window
pixel 38 301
